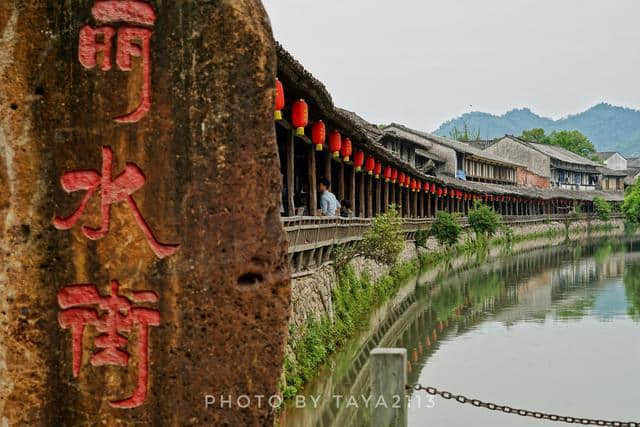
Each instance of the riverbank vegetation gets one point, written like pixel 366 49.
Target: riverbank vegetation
pixel 355 297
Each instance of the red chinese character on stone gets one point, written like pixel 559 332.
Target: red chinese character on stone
pixel 132 42
pixel 111 315
pixel 112 191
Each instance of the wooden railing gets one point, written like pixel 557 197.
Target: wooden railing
pixel 312 238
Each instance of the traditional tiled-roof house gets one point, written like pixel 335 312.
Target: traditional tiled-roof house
pixel 613 160
pixel 565 170
pixel 459 159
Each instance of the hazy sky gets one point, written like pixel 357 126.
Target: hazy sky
pixel 421 62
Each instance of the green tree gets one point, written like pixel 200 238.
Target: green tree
pixel 382 242
pixel 465 135
pixel 535 135
pixel 446 229
pixel 632 290
pixel 631 205
pixel 483 220
pixel 602 207
pixel 571 140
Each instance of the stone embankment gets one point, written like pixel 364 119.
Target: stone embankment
pixel 311 294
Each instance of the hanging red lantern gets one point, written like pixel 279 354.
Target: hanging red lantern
pixel 426 187
pixel 433 188
pixel 439 191
pixel 279 99
pixel 401 179
pixel 299 116
pixel 346 149
pixel 377 170
pixel 412 184
pixel 335 143
pixel 370 165
pixel 387 174
pixel 318 134
pixel 358 160
pixel 394 175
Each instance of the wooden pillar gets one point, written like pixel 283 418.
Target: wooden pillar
pixel 392 194
pixel 415 204
pixel 429 198
pixel 405 201
pixel 386 196
pixel 341 189
pixel 378 195
pixel 361 210
pixel 313 190
pixel 369 196
pixel 421 204
pixel 352 189
pixel 290 153
pixel 327 169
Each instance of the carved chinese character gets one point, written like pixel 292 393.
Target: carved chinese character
pixel 132 42
pixel 112 191
pixel 111 316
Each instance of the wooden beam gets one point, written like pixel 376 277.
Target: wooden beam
pixel 313 190
pixel 289 147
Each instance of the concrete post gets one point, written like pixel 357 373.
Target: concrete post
pixel 388 372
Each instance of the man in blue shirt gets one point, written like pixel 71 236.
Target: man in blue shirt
pixel 329 205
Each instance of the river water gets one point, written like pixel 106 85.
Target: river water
pixel 554 330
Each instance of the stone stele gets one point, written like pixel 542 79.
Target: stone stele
pixel 158 115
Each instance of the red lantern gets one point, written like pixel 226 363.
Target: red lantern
pixel 394 175
pixel 439 192
pixel 433 188
pixel 358 160
pixel 426 187
pixel 412 184
pixel 401 178
pixel 370 165
pixel 346 149
pixel 318 134
pixel 377 170
pixel 387 174
pixel 335 143
pixel 300 116
pixel 279 99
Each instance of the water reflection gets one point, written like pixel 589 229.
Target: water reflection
pixel 562 318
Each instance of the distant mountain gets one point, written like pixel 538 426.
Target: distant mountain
pixel 610 128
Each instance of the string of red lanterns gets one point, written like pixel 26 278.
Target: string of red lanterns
pixel 343 148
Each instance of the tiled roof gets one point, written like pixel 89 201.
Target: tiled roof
pixel 425 139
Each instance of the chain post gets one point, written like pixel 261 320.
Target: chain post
pixel 388 373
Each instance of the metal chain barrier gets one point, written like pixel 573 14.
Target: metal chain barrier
pixel 523 412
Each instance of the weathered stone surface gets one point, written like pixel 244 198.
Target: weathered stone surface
pixel 207 151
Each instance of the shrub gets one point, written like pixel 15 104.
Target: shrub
pixel 422 236
pixel 382 243
pixel 484 221
pixel 446 229
pixel 631 205
pixel 602 208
